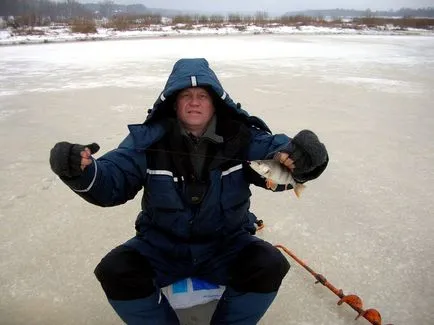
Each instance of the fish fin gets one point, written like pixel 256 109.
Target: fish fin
pixel 270 184
pixel 298 188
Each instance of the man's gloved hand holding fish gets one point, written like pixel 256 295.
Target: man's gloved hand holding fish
pixel 306 157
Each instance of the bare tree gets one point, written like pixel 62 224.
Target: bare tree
pixel 261 17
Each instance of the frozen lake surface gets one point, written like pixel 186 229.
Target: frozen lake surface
pixel 366 224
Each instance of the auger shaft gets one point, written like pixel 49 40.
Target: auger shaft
pixel 372 315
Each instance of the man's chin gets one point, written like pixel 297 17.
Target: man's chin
pixel 195 122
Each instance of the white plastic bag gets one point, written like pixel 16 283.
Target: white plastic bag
pixel 191 292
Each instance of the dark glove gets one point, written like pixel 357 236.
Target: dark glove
pixel 309 155
pixel 65 158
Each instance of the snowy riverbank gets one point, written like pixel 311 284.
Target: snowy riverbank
pixel 64 34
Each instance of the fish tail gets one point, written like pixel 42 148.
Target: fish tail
pixel 298 188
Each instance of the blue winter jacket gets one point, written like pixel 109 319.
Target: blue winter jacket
pixel 167 220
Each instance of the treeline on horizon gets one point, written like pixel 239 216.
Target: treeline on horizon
pixel 403 12
pixel 86 18
pixel 73 9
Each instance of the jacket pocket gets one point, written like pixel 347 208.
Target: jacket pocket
pixel 162 193
pixel 235 200
pixel 231 199
pixel 165 207
pixel 235 188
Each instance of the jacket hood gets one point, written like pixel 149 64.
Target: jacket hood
pixel 188 73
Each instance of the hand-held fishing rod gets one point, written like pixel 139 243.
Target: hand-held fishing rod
pixel 354 301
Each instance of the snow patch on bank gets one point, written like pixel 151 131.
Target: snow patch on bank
pixel 63 34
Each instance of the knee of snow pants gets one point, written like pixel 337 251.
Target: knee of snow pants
pixel 125 274
pixel 126 277
pixel 259 267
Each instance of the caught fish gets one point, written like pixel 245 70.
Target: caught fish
pixel 276 174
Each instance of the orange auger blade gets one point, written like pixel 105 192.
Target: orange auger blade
pixel 354 301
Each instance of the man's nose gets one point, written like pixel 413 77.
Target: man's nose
pixel 195 100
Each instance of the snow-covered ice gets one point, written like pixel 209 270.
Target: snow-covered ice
pixel 366 224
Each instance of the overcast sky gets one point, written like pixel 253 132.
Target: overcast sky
pixel 277 5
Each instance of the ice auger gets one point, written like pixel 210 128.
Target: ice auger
pixel 354 301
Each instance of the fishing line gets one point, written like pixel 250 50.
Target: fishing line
pixel 198 155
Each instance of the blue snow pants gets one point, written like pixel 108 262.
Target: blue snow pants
pixel 132 274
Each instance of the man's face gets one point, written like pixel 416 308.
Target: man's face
pixel 194 108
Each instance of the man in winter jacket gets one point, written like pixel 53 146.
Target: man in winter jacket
pixel 190 158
